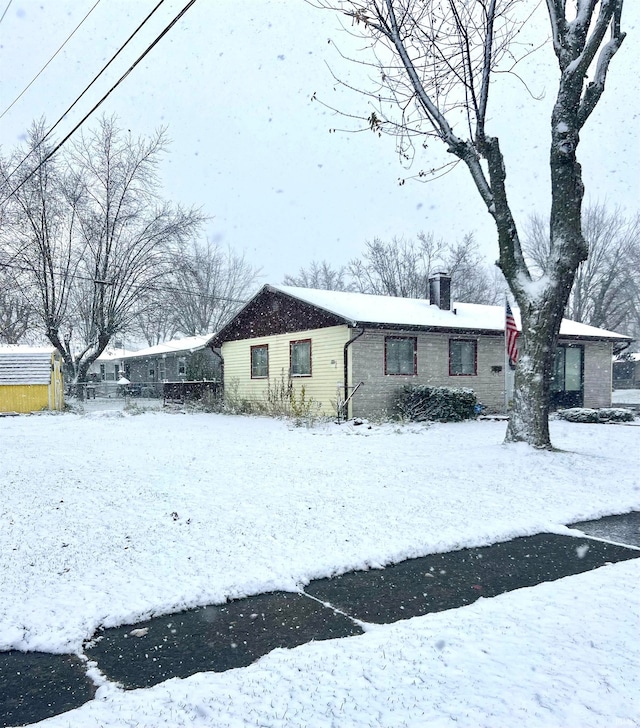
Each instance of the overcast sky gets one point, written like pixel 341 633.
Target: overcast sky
pixel 233 82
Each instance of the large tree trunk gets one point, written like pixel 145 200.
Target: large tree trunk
pixel 529 417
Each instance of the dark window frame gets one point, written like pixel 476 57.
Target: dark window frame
pixel 460 340
pixel 293 343
pixel 254 348
pixel 560 396
pixel 413 339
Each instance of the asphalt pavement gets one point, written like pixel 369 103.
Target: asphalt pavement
pixel 35 686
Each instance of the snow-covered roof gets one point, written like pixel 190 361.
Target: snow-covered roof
pixel 111 354
pixel 363 308
pixel 189 343
pixel 25 364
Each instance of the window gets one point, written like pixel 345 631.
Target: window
pixel 400 355
pixel 567 382
pixel 259 362
pixel 463 357
pixel 182 366
pixel 300 358
pixel 103 372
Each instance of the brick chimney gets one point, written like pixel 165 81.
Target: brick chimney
pixel 440 291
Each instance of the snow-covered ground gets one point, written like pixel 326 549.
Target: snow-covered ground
pixel 109 517
pixel 625 396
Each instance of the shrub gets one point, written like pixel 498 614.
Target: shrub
pixel 603 415
pixel 418 402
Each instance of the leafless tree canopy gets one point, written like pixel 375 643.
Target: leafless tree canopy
pixel 403 267
pixel 434 64
pixel 606 289
pixel 205 286
pixel 321 275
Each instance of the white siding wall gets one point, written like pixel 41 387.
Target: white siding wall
pixel 376 396
pixel 327 372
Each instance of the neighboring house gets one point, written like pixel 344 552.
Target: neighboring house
pixel 330 342
pixel 108 366
pixel 31 379
pixel 174 361
pixel 626 372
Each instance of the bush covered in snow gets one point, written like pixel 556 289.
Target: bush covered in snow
pixel 606 414
pixel 418 402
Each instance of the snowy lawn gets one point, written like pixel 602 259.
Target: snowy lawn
pixel 107 519
pixel 626 396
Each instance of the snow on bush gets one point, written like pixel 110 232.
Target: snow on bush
pixel 418 402
pixel 603 415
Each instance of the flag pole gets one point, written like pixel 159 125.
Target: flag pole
pixel 507 368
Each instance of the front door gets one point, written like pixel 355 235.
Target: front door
pixel 567 383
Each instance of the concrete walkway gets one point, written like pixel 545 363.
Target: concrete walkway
pixel 35 686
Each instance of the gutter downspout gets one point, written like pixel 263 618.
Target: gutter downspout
pixel 346 366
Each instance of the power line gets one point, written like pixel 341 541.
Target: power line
pixel 5 11
pixel 145 286
pixel 102 100
pixel 21 94
pixel 104 68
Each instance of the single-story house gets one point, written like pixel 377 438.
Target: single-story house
pixel 107 367
pixel 362 349
pixel 173 361
pixel 626 371
pixel 31 379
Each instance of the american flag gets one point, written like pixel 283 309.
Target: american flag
pixel 511 336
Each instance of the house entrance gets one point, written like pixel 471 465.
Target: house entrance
pixel 567 383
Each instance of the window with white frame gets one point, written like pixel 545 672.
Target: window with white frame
pixel 300 352
pixel 400 355
pixel 260 362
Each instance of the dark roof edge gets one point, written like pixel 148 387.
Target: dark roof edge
pixel 274 289
pixel 215 340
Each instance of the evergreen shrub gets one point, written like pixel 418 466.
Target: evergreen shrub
pixel 418 403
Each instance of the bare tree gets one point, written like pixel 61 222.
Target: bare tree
pixel 92 235
pixel 437 58
pixel 154 319
pixel 16 313
pixel 321 275
pixel 472 281
pixel 607 283
pixel 398 268
pixel 209 284
pixel 403 267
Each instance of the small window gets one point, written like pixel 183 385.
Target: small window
pixel 300 358
pixel 103 372
pixel 400 355
pixel 182 366
pixel 259 362
pixel 463 357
